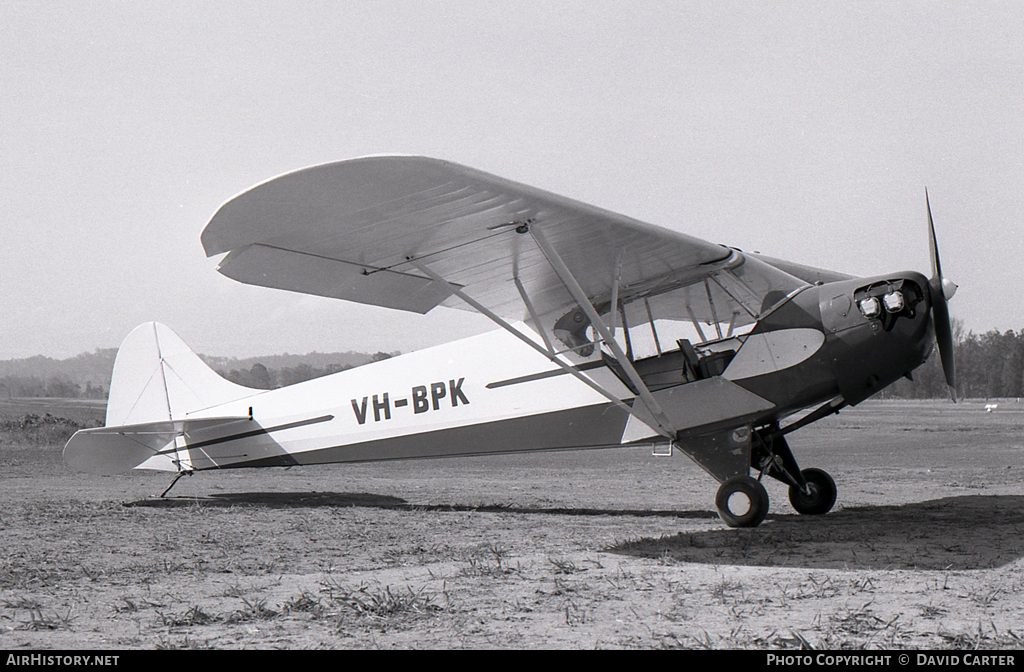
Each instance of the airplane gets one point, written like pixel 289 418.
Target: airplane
pixel 612 332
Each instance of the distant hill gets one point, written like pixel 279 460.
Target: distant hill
pixel 279 370
pixel 92 367
pixel 88 375
pixel 317 360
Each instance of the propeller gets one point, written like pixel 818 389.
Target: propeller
pixel 941 290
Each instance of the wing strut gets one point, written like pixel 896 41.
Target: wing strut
pixel 567 278
pixel 696 324
pixel 654 331
pixel 614 310
pixel 663 428
pixel 533 315
pixel 714 313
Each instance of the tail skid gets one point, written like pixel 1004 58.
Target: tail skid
pixel 157 382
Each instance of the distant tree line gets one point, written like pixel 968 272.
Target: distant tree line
pixel 260 377
pixel 987 365
pixel 257 376
pixel 51 386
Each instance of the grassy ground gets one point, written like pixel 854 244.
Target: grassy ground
pixel 608 549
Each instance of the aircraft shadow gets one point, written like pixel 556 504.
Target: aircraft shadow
pixel 304 500
pixel 952 533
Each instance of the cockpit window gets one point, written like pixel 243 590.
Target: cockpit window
pixel 720 306
pixel 723 305
pixel 757 287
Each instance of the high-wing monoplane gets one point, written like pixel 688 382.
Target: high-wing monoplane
pixel 612 332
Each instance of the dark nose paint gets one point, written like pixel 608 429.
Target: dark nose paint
pixel 870 353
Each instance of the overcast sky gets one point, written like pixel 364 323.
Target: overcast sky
pixel 804 130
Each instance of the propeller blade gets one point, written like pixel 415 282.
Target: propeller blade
pixel 940 307
pixel 944 338
pixel 933 247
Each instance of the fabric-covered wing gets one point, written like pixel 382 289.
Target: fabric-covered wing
pixel 347 230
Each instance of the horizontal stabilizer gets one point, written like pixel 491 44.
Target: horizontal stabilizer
pixel 106 451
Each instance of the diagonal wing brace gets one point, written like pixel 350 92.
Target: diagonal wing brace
pixel 547 352
pixel 663 425
pixel 567 278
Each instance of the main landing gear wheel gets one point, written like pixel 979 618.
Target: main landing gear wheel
pixel 822 495
pixel 742 502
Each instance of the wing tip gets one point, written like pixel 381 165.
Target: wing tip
pixel 214 237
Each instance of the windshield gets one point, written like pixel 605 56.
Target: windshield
pixel 724 305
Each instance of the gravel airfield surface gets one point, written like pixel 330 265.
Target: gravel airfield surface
pixel 597 549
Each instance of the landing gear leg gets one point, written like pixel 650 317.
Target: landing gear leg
pixel 811 491
pixel 180 474
pixel 726 455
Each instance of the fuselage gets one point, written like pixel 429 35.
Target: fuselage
pixel 492 394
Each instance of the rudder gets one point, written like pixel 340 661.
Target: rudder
pixel 157 377
pixel 157 381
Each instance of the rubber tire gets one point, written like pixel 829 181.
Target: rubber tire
pixel 822 497
pixel 756 495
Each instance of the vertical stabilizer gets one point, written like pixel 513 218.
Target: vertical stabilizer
pixel 157 378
